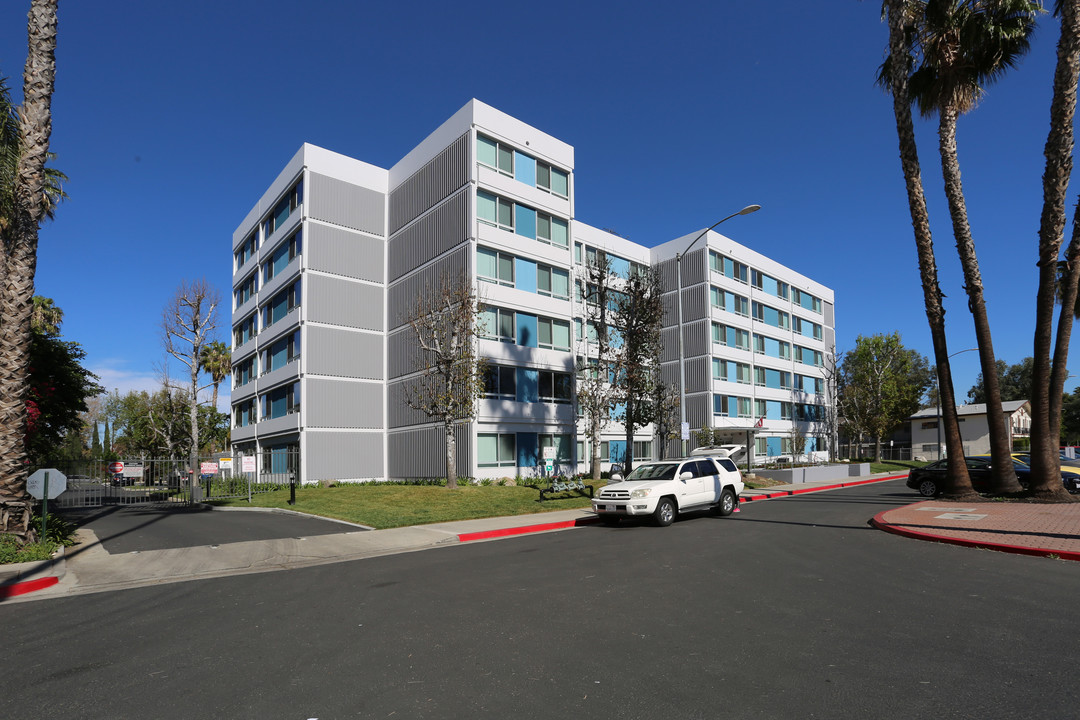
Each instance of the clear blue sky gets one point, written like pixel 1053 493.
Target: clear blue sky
pixel 171 120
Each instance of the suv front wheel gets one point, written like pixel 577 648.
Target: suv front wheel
pixel 664 514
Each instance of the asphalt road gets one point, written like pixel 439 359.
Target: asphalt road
pixel 793 608
pixel 139 528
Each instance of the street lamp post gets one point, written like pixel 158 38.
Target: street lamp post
pixel 678 281
pixel 937 377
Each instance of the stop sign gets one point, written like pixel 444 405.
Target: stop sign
pixel 35 484
pixel 116 468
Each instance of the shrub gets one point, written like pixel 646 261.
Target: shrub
pixel 12 552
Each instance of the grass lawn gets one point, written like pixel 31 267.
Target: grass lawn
pixel 896 466
pixel 390 506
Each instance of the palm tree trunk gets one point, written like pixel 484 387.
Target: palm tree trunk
pixel 1003 474
pixel 959 484
pixel 20 263
pixel 1048 385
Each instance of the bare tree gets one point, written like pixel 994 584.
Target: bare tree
pixel 639 307
pixel 445 320
pixel 595 395
pixel 188 324
pixel 830 421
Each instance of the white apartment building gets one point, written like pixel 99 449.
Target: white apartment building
pixel 330 261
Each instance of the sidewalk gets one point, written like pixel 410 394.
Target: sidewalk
pixel 86 568
pixel 1024 528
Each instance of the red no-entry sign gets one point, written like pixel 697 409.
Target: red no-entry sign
pixel 116 468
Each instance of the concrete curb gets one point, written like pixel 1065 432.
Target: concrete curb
pixel 22 578
pixel 878 522
pixel 765 495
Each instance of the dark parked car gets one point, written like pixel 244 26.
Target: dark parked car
pixel 929 480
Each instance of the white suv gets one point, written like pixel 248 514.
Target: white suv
pixel 665 488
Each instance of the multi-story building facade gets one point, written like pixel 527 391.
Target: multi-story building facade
pixel 757 341
pixel 330 262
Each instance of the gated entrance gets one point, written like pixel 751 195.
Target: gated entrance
pixel 126 482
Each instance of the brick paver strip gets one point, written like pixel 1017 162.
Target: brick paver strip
pixel 1026 528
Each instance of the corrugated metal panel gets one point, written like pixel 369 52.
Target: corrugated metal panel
pixel 342 404
pixel 446 227
pixel 697 374
pixel 404 294
pixel 340 252
pixel 697 409
pixel 421 453
pixel 336 301
pixel 344 456
pixel 399 414
pixel 669 374
pixel 696 340
pixel 669 337
pixel 667 274
pixel 693 268
pixel 343 353
pixel 830 338
pixel 671 310
pixel 695 303
pixel 342 203
pixel 829 319
pixel 430 185
pixel 402 352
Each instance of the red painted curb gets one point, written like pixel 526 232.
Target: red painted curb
pixel 524 529
pixel 879 523
pixel 27 586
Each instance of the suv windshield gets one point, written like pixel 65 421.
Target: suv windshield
pixel 656 471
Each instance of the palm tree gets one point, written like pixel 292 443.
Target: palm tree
pixel 216 359
pixel 894 77
pixel 963 46
pixel 45 316
pixel 26 206
pixel 1048 381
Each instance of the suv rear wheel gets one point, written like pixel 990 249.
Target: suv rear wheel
pixel 928 488
pixel 726 506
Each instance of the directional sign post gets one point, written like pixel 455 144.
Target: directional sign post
pixel 44 485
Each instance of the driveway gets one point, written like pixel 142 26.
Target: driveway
pixel 125 529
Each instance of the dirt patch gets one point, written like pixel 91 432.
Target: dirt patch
pixel 756 482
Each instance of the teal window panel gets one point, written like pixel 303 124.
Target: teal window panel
pixel 524 169
pixel 525 274
pixel 617 451
pixel 526 330
pixel 525 221
pixel 560 182
pixel 773 446
pixel 772 410
pixel 486 151
pixel 528 385
pixel 486 263
pixel 618 412
pixel 486 207
pixel 619 266
pixel 528 450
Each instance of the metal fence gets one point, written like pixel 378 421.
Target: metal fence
pixel 142 481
